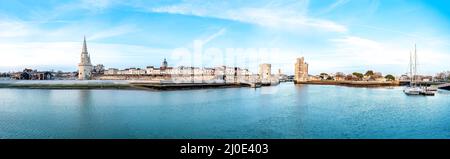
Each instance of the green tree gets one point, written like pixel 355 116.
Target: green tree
pixel 359 75
pixel 390 77
pixel 369 73
pixel 323 75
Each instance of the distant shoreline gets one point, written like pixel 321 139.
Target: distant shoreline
pixel 353 83
pixel 158 85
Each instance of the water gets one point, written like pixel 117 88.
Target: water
pixel 284 111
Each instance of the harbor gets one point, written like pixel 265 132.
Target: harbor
pixel 283 111
pixel 168 77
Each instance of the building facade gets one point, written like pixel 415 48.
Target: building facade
pixel 265 71
pixel 301 70
pixel 85 66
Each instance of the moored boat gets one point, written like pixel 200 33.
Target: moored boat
pixel 413 89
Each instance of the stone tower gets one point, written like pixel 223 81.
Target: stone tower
pixel 85 66
pixel 301 71
pixel 265 71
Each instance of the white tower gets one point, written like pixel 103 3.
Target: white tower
pixel 85 66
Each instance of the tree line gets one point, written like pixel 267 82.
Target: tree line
pixel 356 76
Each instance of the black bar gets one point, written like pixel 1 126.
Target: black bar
pixel 288 148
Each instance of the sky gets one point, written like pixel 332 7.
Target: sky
pixel 333 35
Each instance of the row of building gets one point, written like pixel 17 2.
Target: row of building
pixel 180 70
pixel 87 71
pixel 30 74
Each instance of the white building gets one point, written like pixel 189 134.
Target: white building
pixel 112 71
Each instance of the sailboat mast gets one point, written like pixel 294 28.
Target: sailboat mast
pixel 410 69
pixel 415 62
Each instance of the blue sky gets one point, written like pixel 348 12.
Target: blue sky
pixel 332 35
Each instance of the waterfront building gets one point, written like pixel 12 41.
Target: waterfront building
pixel 208 71
pixel 231 71
pixel 313 78
pixel 135 71
pixel 149 70
pixel 244 72
pixel 85 67
pixel 111 71
pixel 182 74
pixel 30 74
pixel 427 78
pixel 301 70
pixel 265 71
pixel 404 78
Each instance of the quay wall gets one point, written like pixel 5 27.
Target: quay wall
pixel 65 84
pixel 119 84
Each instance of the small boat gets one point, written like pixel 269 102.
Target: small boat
pixel 412 91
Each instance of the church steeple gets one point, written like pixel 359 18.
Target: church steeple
pixel 85 66
pixel 84 46
pixel 85 57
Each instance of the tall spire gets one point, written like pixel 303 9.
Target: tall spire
pixel 85 58
pixel 85 66
pixel 84 46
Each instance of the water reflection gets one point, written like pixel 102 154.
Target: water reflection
pixel 284 111
pixel 86 118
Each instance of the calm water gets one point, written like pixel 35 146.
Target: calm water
pixel 284 111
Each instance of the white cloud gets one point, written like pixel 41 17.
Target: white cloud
pixel 14 54
pixel 13 28
pixel 96 4
pixel 370 54
pixel 67 54
pixel 336 4
pixel 213 36
pixel 112 32
pixel 358 42
pixel 282 17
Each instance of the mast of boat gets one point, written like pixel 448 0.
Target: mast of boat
pixel 410 69
pixel 415 63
